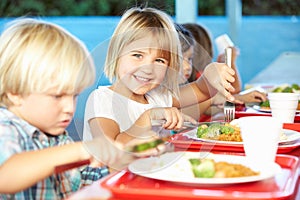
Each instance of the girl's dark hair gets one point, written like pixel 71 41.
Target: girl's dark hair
pixel 185 36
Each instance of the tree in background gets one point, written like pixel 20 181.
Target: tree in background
pixel 14 8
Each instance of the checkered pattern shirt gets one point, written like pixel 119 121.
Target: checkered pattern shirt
pixel 17 136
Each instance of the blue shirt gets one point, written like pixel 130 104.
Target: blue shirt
pixel 16 136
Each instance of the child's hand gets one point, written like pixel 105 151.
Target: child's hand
pixel 151 146
pixel 173 117
pixel 106 152
pixel 253 96
pixel 220 76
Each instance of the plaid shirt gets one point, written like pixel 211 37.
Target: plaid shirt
pixel 17 136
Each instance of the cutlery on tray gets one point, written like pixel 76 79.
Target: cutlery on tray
pixel 186 124
pixel 229 107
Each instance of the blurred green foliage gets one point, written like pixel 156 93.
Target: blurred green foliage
pixel 12 8
pixel 271 7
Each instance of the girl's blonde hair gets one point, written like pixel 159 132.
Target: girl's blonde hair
pixel 36 56
pixel 137 23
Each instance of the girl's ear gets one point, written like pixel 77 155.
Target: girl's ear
pixel 16 99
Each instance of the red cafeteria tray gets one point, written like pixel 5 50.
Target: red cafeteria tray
pixel 126 185
pixel 182 142
pixel 239 114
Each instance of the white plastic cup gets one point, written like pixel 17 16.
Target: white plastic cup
pixel 283 106
pixel 260 136
pixel 222 42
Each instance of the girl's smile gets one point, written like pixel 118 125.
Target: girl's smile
pixel 142 79
pixel 142 67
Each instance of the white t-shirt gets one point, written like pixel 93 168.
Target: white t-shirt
pixel 103 102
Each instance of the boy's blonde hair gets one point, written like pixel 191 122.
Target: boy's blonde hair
pixel 36 56
pixel 137 23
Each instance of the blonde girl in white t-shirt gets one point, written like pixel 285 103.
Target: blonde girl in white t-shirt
pixel 143 62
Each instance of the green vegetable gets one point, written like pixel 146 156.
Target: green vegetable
pixel 147 145
pixel 226 130
pixel 195 161
pixel 278 89
pixel 295 86
pixel 202 131
pixel 203 169
pixel 213 131
pixel 287 90
pixel 265 103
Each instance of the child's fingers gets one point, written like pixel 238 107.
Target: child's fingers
pixel 187 118
pixel 174 119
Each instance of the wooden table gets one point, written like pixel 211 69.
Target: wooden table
pixel 284 69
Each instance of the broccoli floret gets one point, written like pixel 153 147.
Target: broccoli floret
pixel 195 161
pixel 226 130
pixel 202 131
pixel 265 104
pixel 287 90
pixel 213 131
pixel 205 168
pixel 295 86
pixel 278 89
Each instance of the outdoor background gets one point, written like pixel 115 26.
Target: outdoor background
pixel 117 7
pixel 268 28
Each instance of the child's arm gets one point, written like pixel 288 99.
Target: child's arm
pixel 142 127
pixel 198 109
pixel 253 96
pixel 216 77
pixel 24 169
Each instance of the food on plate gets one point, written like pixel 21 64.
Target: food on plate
pixel 265 105
pixel 282 136
pixel 219 131
pixel 208 168
pixel 138 148
pixel 293 88
pixel 225 131
pixel 287 88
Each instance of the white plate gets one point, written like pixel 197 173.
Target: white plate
pixel 290 134
pixel 175 167
pixel 266 110
pixel 258 108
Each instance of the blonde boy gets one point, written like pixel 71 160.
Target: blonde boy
pixel 42 70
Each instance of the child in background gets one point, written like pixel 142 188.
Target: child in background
pixel 43 68
pixel 144 59
pixel 187 47
pixel 203 54
pixel 188 44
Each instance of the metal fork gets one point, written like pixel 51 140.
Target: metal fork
pixel 229 107
pixel 229 111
